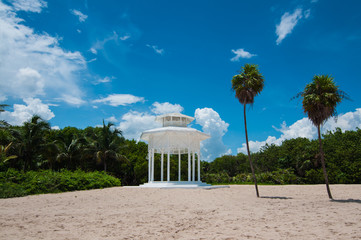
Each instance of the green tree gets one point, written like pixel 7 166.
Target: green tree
pixel 30 140
pixel 247 85
pixel 106 144
pixel 319 101
pixel 70 153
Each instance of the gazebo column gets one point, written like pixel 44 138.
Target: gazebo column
pixel 152 164
pixel 149 164
pixel 161 166
pixel 189 166
pixel 168 166
pixel 179 165
pixel 199 165
pixel 193 168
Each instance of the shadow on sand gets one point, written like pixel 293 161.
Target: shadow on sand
pixel 346 200
pixel 276 197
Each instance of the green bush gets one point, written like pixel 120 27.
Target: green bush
pixel 280 176
pixel 15 183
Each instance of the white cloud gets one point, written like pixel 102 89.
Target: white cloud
pixel 288 22
pixel 72 100
pixel 55 127
pixel 29 5
pixel 119 99
pixel 3 98
pixel 213 125
pixel 112 119
pixel 82 17
pixel 241 53
pixel 103 80
pixel 34 64
pixel 163 108
pixel 134 123
pixel 93 50
pixel 159 51
pixel 307 13
pixel 305 129
pixel 125 37
pixel 23 113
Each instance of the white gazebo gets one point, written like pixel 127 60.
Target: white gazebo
pixel 174 138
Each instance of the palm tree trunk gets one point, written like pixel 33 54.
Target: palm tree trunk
pixel 249 154
pixel 323 162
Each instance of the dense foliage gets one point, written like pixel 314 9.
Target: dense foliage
pixel 294 161
pixel 14 183
pixel 35 158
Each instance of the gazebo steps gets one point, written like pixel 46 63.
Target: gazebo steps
pixel 181 184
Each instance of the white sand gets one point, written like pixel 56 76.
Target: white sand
pixel 285 212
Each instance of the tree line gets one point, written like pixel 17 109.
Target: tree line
pixel 35 146
pixel 295 161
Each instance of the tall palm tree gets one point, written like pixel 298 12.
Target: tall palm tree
pixel 319 100
pixel 30 140
pixel 107 144
pixel 248 84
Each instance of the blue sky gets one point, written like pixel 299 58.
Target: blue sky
pixel 76 63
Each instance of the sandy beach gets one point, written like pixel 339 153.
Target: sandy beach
pixel 283 212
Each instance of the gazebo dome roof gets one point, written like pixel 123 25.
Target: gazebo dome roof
pixel 174 119
pixel 174 131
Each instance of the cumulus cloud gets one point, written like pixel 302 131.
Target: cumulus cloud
pixel 157 50
pixel 241 53
pixel 23 113
pixel 34 64
pixel 134 123
pixel 288 22
pixel 81 16
pixel 213 125
pixel 29 5
pixel 119 100
pixel 163 108
pixel 305 129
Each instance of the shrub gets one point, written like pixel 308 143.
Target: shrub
pixel 15 183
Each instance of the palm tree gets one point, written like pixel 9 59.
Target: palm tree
pixel 2 106
pixel 30 140
pixel 70 152
pixel 319 100
pixel 107 144
pixel 248 84
pixel 4 153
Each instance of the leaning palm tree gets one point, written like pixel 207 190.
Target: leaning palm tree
pixel 319 100
pixel 248 84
